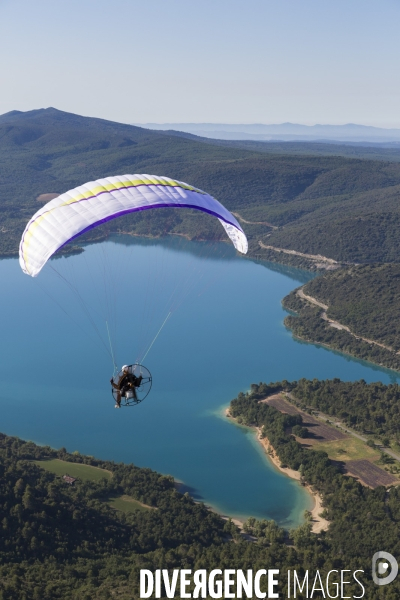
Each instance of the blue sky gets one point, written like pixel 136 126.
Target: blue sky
pixel 248 61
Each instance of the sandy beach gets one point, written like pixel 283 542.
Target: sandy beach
pixel 318 523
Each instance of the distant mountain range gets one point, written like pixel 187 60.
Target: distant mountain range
pixel 284 132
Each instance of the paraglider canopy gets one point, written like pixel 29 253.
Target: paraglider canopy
pixel 87 206
pixel 131 385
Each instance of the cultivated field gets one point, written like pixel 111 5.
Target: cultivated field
pixel 77 470
pixel 128 504
pixel 350 449
pixel 318 431
pixel 278 402
pixel 358 458
pixel 369 473
pixel 89 473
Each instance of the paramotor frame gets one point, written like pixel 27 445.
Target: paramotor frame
pixel 134 396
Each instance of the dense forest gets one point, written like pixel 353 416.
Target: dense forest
pixel 49 151
pixel 61 541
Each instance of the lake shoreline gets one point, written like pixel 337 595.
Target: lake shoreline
pixel 318 523
pixel 232 339
pixel 180 486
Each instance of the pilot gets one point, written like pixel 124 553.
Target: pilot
pixel 126 385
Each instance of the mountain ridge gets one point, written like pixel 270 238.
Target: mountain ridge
pixel 344 209
pixel 283 131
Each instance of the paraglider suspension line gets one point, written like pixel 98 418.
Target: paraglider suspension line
pixel 157 334
pixel 111 348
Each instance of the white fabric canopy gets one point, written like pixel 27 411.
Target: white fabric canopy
pixel 96 202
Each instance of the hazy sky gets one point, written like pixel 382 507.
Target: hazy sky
pixel 222 61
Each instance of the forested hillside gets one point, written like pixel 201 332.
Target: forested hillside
pixel 67 542
pixel 62 541
pixel 365 299
pixel 346 209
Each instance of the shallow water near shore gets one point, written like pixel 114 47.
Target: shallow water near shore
pixel 225 336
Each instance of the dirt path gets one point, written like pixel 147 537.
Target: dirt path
pixel 254 222
pixel 322 262
pixel 304 296
pixel 47 197
pixel 336 324
pixel 325 307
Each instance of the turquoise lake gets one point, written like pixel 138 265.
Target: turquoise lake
pixel 227 333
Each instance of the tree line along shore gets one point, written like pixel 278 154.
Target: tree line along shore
pixel 354 310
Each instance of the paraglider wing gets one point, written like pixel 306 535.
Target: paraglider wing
pixel 87 206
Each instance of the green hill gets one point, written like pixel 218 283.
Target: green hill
pixel 49 151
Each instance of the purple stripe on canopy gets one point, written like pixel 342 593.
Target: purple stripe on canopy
pixel 126 211
pixel 137 209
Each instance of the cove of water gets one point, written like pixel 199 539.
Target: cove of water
pixel 228 334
